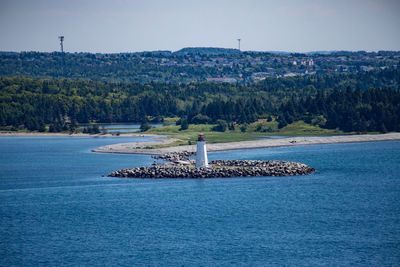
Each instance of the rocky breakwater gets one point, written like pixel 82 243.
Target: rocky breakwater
pixel 180 158
pixel 219 169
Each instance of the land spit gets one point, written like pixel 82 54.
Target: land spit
pixel 180 166
pixel 146 147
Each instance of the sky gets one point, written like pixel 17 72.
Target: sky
pixel 105 26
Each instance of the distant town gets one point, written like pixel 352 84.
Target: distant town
pixel 188 65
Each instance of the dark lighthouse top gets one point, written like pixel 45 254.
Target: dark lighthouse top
pixel 201 137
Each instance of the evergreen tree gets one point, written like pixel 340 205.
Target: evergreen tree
pixel 144 126
pixel 184 124
pixel 221 126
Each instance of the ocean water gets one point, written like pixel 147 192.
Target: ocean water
pixel 57 209
pixel 123 128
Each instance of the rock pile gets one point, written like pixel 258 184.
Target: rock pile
pixel 175 156
pixel 219 169
pixel 257 163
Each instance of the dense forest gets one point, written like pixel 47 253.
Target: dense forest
pixel 350 102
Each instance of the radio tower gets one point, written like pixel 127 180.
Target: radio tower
pixel 239 43
pixel 61 43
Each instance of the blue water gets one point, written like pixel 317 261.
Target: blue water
pixel 57 209
pixel 123 128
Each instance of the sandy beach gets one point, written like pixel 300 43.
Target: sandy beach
pixel 139 147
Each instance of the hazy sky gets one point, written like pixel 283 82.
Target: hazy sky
pixel 143 25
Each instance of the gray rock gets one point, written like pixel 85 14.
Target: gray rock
pixel 219 168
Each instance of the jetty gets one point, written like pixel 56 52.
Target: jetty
pixel 181 166
pixel 218 169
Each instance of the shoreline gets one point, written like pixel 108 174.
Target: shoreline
pixel 138 148
pixel 37 134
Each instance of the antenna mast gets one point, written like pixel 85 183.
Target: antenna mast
pixel 61 43
pixel 239 43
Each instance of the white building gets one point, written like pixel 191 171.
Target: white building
pixel 201 152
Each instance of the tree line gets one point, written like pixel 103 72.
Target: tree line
pixel 353 102
pixel 350 110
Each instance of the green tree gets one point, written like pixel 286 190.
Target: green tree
pixel 144 126
pixel 200 119
pixel 221 126
pixel 95 129
pixel 184 124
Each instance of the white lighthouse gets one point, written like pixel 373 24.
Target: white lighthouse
pixel 201 152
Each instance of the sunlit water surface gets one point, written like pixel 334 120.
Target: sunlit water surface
pixel 57 209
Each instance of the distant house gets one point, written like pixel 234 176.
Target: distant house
pixel 366 68
pixel 222 80
pixel 259 76
pixel 292 74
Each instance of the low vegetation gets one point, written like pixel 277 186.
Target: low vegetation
pixel 252 132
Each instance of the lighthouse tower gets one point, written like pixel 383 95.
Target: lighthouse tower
pixel 201 153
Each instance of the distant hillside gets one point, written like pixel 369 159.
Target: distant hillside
pixel 156 53
pixel 207 51
pixel 191 64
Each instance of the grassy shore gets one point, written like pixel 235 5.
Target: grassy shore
pixel 254 131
